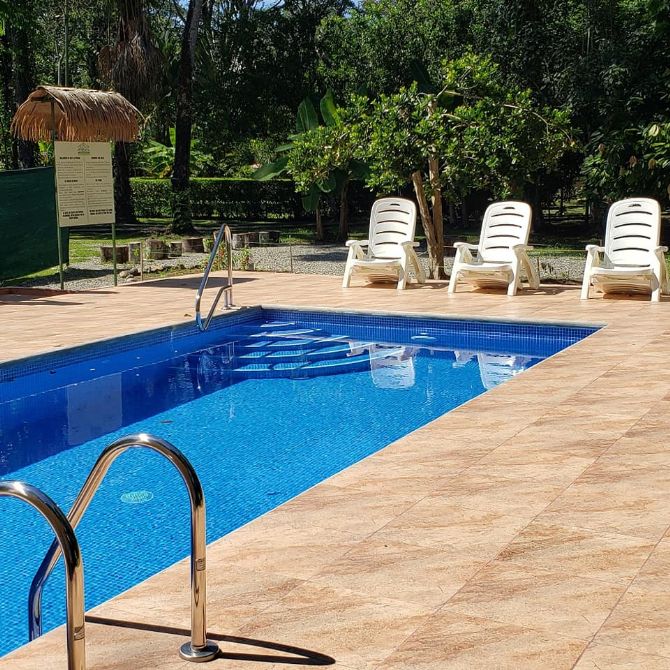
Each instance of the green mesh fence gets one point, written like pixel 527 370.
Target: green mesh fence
pixel 28 241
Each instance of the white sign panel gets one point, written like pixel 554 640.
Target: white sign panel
pixel 84 183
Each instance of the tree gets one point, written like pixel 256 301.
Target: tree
pixel 375 47
pixel 629 154
pixel 319 157
pixel 244 45
pixel 131 65
pixel 473 133
pixel 181 212
pixel 19 26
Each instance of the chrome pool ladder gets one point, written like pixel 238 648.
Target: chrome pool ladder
pixel 67 544
pixel 227 290
pixel 199 649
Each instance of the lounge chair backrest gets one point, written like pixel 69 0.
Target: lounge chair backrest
pixel 505 225
pixel 633 231
pixel 392 222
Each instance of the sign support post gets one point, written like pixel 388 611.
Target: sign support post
pixel 116 281
pixel 54 137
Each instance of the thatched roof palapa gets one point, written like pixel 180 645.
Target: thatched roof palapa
pixel 81 115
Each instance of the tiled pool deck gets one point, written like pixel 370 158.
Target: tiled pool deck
pixel 526 529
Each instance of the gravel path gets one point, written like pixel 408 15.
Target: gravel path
pixel 330 260
pixel 301 259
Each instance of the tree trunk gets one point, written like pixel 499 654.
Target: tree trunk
pixel 123 195
pixel 182 221
pixel 343 229
pixel 320 236
pixel 24 83
pixel 438 219
pixel 435 250
pixel 6 76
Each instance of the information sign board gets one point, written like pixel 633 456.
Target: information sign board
pixel 84 183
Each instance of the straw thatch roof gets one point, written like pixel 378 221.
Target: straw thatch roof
pixel 81 115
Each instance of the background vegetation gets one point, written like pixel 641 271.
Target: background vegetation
pixel 455 101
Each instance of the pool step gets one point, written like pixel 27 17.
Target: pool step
pixel 306 367
pixel 302 368
pixel 272 355
pixel 287 349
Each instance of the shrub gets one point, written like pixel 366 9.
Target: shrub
pixel 245 199
pixel 241 199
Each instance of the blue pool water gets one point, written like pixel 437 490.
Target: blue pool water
pixel 265 404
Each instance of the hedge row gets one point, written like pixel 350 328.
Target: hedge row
pixel 221 198
pixel 242 199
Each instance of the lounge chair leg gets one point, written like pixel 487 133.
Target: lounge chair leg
pixel 586 285
pixel 347 277
pixel 512 287
pixel 452 282
pixel 402 279
pixel 655 289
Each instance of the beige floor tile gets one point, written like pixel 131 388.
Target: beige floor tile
pixel 417 574
pixel 554 602
pixel 439 522
pixel 234 596
pixel 604 657
pixel 608 557
pixel 355 512
pixel 639 622
pixel 355 629
pixel 614 498
pixel 518 497
pixel 268 546
pixel 452 641
pixel 517 459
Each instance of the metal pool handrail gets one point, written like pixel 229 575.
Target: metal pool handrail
pixel 224 233
pixel 66 542
pixel 199 648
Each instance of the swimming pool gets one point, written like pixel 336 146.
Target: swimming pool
pixel 265 404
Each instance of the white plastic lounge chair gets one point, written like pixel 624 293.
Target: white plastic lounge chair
pixel 501 253
pixel 631 260
pixel 390 253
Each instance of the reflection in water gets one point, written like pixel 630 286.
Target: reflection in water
pixel 494 369
pixel 94 407
pixel 391 366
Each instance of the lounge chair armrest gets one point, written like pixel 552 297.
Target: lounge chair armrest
pixel 463 252
pixel 360 243
pixel 409 245
pixel 662 250
pixel 594 248
pixel 522 247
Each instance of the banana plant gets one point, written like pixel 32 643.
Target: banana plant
pixel 312 131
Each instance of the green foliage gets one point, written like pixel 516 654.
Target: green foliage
pixel 156 160
pixel 257 61
pixel 374 48
pixel 324 157
pixel 633 161
pixel 485 135
pixel 320 157
pixel 245 199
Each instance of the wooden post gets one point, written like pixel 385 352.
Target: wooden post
pixel 54 137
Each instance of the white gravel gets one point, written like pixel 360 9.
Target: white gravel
pixel 301 259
